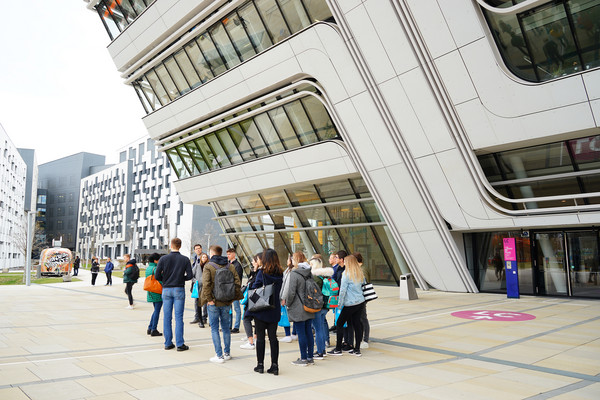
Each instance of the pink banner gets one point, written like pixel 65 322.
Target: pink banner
pixel 510 249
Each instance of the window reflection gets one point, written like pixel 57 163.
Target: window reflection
pixel 118 14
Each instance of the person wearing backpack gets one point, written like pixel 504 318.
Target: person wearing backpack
pixel 131 275
pixel 352 302
pixel 319 323
pixel 221 285
pixel 296 299
pixel 154 298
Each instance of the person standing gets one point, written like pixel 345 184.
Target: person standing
pixel 219 290
pixel 293 294
pixel 232 257
pixel 320 273
pixel 108 269
pixel 130 277
pixel 197 268
pixel 266 320
pixel 95 270
pixel 363 317
pixel 154 298
pixel 173 270
pixel 353 301
pixel 76 263
pixel 247 319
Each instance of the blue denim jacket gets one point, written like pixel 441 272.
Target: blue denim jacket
pixel 351 292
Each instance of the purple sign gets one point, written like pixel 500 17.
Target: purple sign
pixel 489 315
pixel 510 249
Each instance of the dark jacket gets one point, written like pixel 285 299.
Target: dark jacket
pixel 238 268
pixel 173 270
pixel 263 279
pixel 95 267
pixel 337 274
pixel 208 282
pixel 127 273
pixel 295 291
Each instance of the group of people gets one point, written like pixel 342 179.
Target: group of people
pixel 218 292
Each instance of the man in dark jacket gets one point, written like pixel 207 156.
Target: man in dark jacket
pixel 218 310
pixel 232 257
pixel 173 270
pixel 108 269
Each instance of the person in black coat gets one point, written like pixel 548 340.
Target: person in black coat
pixel 232 257
pixel 266 320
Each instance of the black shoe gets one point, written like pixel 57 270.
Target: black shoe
pixel 183 347
pixel 148 331
pixel 335 352
pixel 347 348
pixel 195 321
pixel 155 333
pixel 235 330
pixel 260 368
pixel 274 369
pixel 332 329
pixel 169 347
pixel 205 321
pixel 201 325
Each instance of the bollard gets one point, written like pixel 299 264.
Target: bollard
pixel 407 288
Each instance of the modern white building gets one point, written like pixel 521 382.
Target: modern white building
pixel 420 133
pixel 132 207
pixel 13 224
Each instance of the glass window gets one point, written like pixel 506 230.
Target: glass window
pixel 197 156
pixel 198 61
pixel 149 93
pixel 229 146
pixel 140 93
pixel 253 24
pixel 360 187
pixel 336 191
pixel 318 10
pixel 224 45
pixel 187 160
pixel 301 123
pixel 228 207
pixel 319 117
pixel 177 75
pixel 251 203
pixel 167 82
pixel 237 33
pixel 276 200
pixel 536 161
pixel 490 168
pixel 217 149
pixel 212 56
pixel 295 15
pixel 240 142
pixel 207 153
pixel 273 19
pixel 157 87
pixel 177 163
pixel 138 5
pixel 239 224
pixel 343 214
pixel 111 27
pixel 127 10
pixel 303 196
pixel 586 152
pixel 284 128
pixel 263 122
pixel 187 68
pixel 586 15
pixel 314 217
pixel 254 138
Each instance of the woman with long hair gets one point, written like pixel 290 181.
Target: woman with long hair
pixel 266 320
pixel 352 300
pixel 247 320
pixel 154 298
pixel 319 323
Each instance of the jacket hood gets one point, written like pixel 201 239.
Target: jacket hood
pixel 327 271
pixel 303 265
pixel 131 261
pixel 305 272
pixel 219 260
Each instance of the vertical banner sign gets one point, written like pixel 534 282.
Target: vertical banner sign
pixel 511 271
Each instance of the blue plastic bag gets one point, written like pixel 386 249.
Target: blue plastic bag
pixel 284 320
pixel 195 293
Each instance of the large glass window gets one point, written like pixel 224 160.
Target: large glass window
pixel 118 14
pixel 555 39
pixel 250 29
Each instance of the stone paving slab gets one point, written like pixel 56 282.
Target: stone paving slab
pixel 76 341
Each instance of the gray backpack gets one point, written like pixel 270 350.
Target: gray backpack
pixel 224 289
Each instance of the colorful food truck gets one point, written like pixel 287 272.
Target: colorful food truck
pixel 56 261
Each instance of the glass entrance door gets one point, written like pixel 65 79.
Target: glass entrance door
pixel 551 266
pixel 583 263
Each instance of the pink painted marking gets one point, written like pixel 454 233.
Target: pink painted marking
pixel 489 315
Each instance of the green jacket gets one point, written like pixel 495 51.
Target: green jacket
pixel 152 297
pixel 127 272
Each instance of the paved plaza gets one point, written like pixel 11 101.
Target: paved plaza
pixel 77 341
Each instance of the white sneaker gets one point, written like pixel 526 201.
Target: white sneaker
pixel 286 339
pixel 247 346
pixel 364 345
pixel 226 356
pixel 130 307
pixel 294 337
pixel 217 359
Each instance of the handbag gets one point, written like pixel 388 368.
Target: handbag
pixel 195 293
pixel 332 302
pixel 152 285
pixel 261 299
pixel 284 320
pixel 369 291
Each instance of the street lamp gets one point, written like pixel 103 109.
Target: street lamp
pixel 133 225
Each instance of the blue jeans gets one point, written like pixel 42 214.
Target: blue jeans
pixel 173 297
pixel 305 339
pixel 155 315
pixel 238 314
pixel 320 330
pixel 216 314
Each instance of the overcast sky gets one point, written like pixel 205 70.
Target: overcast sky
pixel 60 92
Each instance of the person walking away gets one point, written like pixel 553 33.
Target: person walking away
pixel 130 277
pixel 197 277
pixel 320 273
pixel 267 320
pixel 363 317
pixel 232 257
pixel 293 295
pixel 108 269
pixel 173 270
pixel 76 263
pixel 95 270
pixel 247 319
pixel 154 298
pixel 352 301
pixel 220 287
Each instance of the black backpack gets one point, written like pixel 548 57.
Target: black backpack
pixel 224 288
pixel 135 272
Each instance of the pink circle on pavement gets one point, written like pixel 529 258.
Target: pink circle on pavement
pixel 490 315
